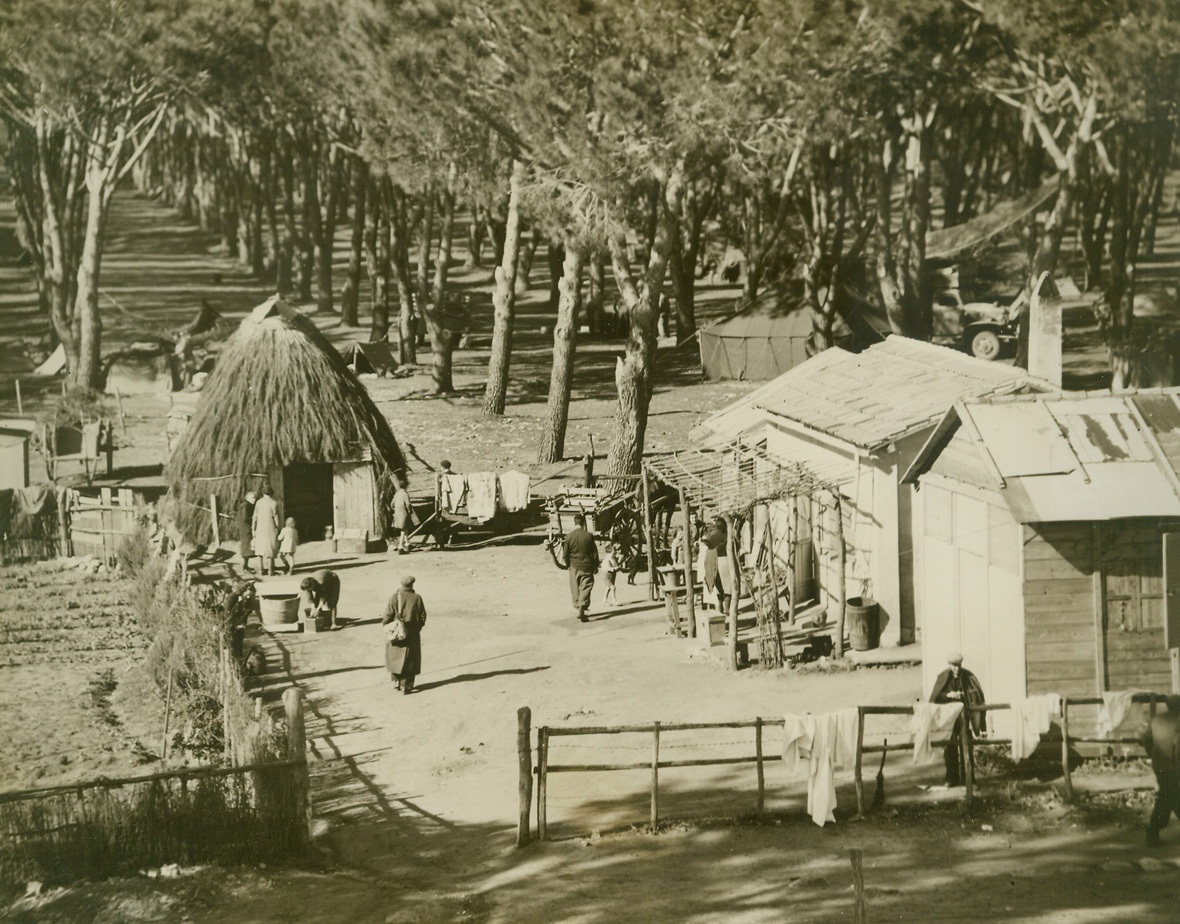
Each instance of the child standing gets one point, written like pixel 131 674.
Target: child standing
pixel 610 567
pixel 288 543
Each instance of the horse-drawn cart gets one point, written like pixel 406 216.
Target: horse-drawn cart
pixel 613 515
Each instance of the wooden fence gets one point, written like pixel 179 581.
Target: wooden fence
pixel 252 813
pixel 97 525
pixel 759 758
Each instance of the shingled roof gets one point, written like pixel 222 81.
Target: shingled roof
pixel 870 399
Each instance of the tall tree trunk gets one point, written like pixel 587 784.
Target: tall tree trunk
pixel 350 297
pixel 425 246
pixel 504 302
pixel 285 275
pixel 370 224
pixel 379 323
pixel 325 237
pixel 87 318
pixel 524 266
pixel 442 338
pixel 633 371
pixel 1120 287
pixel 310 231
pixel 475 236
pixel 399 247
pixel 555 257
pixel 755 254
pixel 596 297
pixel 564 338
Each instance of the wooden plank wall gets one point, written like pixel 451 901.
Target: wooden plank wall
pixel 98 524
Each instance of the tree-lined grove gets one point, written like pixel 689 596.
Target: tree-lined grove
pixel 622 138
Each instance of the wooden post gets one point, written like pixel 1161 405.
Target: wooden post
pixel 651 550
pixel 216 524
pixel 589 477
pixel 1066 778
pixel 297 751
pixel 778 617
pixel 655 776
pixel 968 756
pixel 542 782
pixel 841 576
pixel 758 758
pixel 792 559
pixel 732 630
pixel 63 522
pixel 524 755
pixel 167 715
pixel 20 407
pixel 119 405
pixel 860 755
pixel 104 519
pixel 858 886
pixel 1175 656
pixel 689 582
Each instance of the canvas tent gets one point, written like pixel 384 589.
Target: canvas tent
pixel 368 358
pixel 762 340
pixel 282 406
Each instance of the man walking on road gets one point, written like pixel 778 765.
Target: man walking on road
pixel 1162 740
pixel 581 555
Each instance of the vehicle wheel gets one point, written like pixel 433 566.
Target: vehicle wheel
pixel 985 344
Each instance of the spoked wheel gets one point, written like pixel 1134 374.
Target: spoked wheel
pixel 627 533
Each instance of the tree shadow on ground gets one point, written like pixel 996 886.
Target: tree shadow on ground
pixel 473 678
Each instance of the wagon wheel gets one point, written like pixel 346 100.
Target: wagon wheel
pixel 627 533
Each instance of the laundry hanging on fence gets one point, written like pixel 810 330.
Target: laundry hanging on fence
pixel 1029 719
pixel 818 744
pixel 481 495
pixel 928 719
pixel 32 500
pixel 1113 711
pixel 454 492
pixel 514 491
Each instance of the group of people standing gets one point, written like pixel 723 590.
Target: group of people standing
pixel 260 535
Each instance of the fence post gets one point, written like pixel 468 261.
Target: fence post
pixel 968 755
pixel 216 525
pixel 860 755
pixel 655 776
pixel 858 885
pixel 761 769
pixel 524 754
pixel 689 576
pixel 542 783
pixel 1066 779
pixel 297 751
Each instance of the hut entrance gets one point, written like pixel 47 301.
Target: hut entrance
pixel 307 496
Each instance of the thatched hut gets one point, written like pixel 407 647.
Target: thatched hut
pixel 282 407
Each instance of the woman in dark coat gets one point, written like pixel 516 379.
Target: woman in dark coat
pixel 246 530
pixel 403 657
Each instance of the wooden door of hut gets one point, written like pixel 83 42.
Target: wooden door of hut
pixel 356 501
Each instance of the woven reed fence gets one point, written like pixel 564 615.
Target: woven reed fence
pixel 240 814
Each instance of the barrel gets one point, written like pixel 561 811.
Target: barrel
pixel 864 628
pixel 279 609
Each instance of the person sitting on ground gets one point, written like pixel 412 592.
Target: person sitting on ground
pixel 610 568
pixel 321 594
pixel 288 543
pixel 581 557
pixel 1161 738
pixel 956 684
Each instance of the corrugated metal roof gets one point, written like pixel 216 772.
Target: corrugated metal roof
pixel 869 399
pixel 1096 456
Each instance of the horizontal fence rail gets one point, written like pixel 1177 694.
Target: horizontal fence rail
pixel 655 763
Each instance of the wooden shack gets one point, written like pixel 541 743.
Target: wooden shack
pixel 1050 552
pixel 861 419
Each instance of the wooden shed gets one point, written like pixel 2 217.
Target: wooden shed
pixel 862 418
pixel 1050 552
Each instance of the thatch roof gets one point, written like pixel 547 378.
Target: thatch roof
pixel 280 394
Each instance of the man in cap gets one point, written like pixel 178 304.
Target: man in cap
pixel 581 557
pixel 403 644
pixel 956 684
pixel 1162 741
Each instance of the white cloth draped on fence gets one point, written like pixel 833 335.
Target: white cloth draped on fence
pixel 929 719
pixel 817 745
pixel 1026 721
pixel 481 495
pixel 514 491
pixel 1116 704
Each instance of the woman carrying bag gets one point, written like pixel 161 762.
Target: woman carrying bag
pixel 404 617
